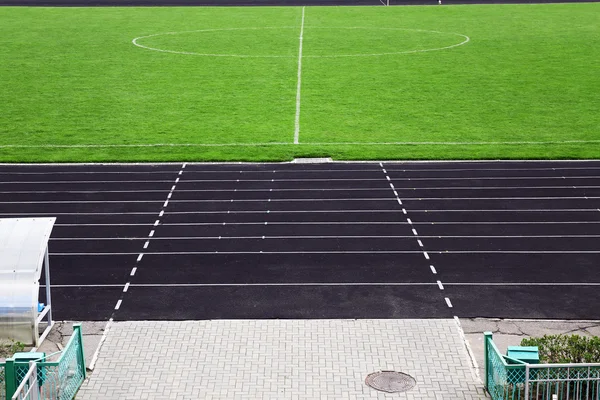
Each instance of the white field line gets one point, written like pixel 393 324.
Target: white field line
pixel 465 40
pixel 25 146
pixel 299 85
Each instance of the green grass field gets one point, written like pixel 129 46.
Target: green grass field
pixel 376 83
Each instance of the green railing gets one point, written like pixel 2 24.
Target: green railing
pixel 509 379
pixel 56 379
pixel 504 377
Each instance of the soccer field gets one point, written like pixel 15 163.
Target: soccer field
pixel 274 83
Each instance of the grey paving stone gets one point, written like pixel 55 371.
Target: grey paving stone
pixel 279 359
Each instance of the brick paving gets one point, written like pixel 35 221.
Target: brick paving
pixel 280 359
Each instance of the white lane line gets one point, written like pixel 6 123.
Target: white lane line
pixel 482 284
pixel 79 254
pixel 151 233
pixel 283 200
pixel 133 271
pixel 166 203
pixel 146 244
pixel 448 302
pixel 318 180
pixel 420 243
pixel 414 231
pixel 177 180
pixel 433 270
pixel 126 288
pixel 140 257
pixel 162 212
pixel 250 237
pixel 118 305
pixel 439 283
pixel 156 222
pixel 354 223
pixel 299 85
pixel 172 188
pixel 374 211
pixel 409 221
pixel 278 223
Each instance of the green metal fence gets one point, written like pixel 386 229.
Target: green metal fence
pixel 56 379
pixel 509 379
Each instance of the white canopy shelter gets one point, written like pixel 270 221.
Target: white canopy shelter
pixel 23 254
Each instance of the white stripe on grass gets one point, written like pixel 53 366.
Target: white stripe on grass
pixel 299 85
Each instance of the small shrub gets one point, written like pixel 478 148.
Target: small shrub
pixel 566 348
pixel 10 349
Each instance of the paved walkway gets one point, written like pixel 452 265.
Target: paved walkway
pixel 280 359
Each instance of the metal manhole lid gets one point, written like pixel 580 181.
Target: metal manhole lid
pixel 390 381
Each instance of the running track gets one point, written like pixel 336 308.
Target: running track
pixel 337 240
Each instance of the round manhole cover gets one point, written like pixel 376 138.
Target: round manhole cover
pixel 390 381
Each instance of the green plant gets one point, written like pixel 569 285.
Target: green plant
pixel 566 348
pixel 9 349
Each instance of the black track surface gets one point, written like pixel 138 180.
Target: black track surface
pixel 507 239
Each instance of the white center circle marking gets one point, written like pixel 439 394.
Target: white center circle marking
pixel 464 39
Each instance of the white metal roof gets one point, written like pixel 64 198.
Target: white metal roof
pixel 23 243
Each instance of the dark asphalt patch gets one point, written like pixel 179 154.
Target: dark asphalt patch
pixel 508 229
pixel 517 268
pixel 261 229
pixel 511 215
pixel 285 216
pixel 266 245
pixel 525 301
pixel 265 302
pixel 283 268
pixel 90 269
pixel 83 303
pixel 276 194
pixel 105 231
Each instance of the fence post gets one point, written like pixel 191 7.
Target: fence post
pixel 9 377
pixel 487 338
pixel 80 353
pixel 526 381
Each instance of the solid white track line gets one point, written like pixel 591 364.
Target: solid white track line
pixel 483 284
